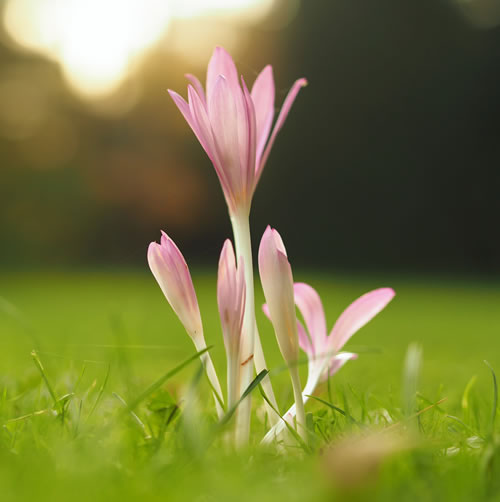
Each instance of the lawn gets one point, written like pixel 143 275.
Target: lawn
pixel 86 325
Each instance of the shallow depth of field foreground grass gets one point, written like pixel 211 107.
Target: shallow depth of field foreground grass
pixel 104 337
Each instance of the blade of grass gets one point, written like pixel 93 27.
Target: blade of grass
pixel 41 369
pixel 135 418
pixel 292 431
pixel 253 384
pixel 463 424
pixel 415 415
pixel 101 391
pixel 335 408
pixel 79 381
pixel 467 390
pixel 158 383
pixel 495 397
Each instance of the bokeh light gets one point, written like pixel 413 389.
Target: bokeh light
pixel 99 43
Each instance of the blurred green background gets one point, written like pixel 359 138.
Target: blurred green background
pixel 389 158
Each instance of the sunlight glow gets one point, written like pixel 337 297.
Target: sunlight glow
pixel 98 42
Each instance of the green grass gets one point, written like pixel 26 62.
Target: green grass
pixel 103 338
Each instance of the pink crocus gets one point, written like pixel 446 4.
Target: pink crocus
pixel 231 303
pixel 322 349
pixel 233 125
pixel 172 274
pixel 277 283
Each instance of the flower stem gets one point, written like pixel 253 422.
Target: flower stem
pixel 211 374
pixel 251 347
pixel 299 403
pixel 311 384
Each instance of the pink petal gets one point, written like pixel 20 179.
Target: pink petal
pixel 277 283
pixel 223 117
pixel 197 86
pixel 248 126
pixel 311 308
pixel 203 129
pixel 221 63
pixel 304 341
pixel 337 362
pixel 230 299
pixel 172 274
pixel 199 113
pixel 197 119
pixel 285 109
pixel 263 100
pixel 357 315
pixel 184 109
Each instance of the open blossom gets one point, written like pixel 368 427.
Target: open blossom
pixel 322 349
pixel 233 125
pixel 231 303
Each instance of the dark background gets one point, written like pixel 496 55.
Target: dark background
pixel 389 158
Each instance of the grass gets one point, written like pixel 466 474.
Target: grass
pixel 96 412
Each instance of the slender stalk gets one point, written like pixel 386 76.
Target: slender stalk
pixel 251 347
pixel 299 403
pixel 312 381
pixel 212 375
pixel 233 387
pixel 260 364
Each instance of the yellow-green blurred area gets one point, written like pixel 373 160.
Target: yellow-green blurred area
pixel 105 318
pixel 389 157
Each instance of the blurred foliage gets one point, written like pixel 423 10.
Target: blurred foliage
pixel 389 157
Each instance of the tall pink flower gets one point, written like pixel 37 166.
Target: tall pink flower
pixel 233 125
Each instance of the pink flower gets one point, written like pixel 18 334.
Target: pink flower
pixel 321 348
pixel 233 125
pixel 277 283
pixel 172 274
pixel 231 302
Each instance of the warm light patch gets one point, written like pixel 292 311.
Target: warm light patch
pixel 97 42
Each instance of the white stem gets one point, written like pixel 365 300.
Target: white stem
pixel 299 403
pixel 260 364
pixel 251 347
pixel 312 381
pixel 206 360
pixel 316 369
pixel 233 385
